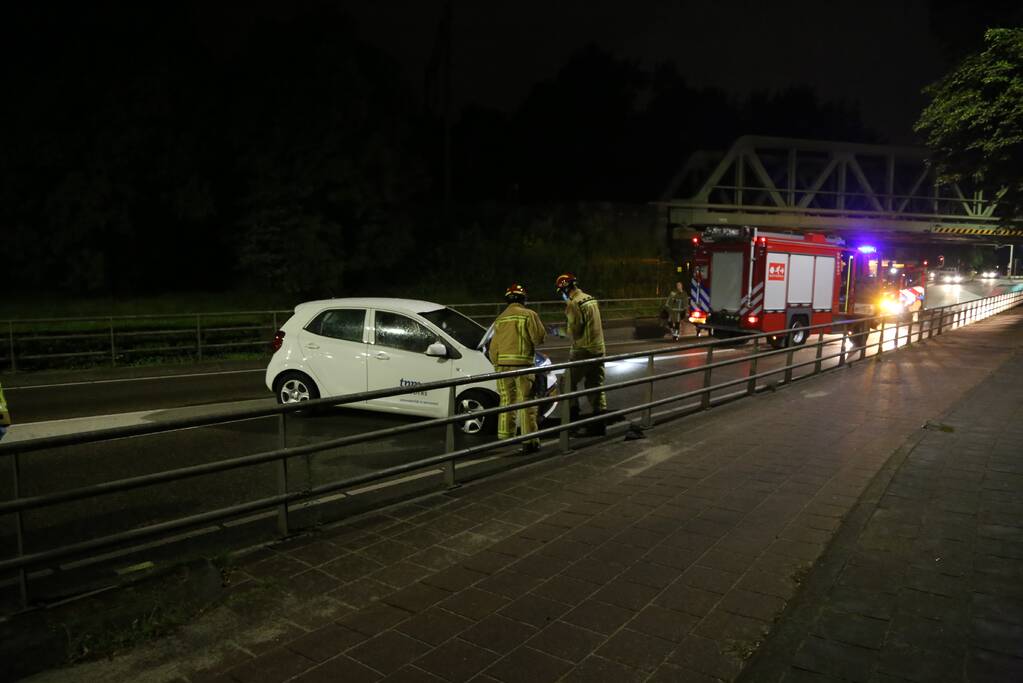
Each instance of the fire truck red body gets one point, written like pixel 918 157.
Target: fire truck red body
pixel 765 281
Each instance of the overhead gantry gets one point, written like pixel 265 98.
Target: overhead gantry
pixel 835 186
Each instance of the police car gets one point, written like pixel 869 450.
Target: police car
pixel 336 347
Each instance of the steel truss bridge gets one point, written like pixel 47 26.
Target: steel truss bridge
pixel 834 186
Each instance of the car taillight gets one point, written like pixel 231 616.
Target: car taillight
pixel 278 340
pixel 752 319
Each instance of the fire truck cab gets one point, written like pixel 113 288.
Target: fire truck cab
pixel 748 281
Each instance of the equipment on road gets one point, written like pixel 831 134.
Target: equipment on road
pixel 747 281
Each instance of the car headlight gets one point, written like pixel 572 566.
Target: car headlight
pixel 957 278
pixel 891 307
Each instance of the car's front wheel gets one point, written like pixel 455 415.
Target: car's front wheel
pixel 295 387
pixel 548 411
pixel 473 401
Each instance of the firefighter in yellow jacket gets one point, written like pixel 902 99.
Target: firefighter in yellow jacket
pixel 516 332
pixel 5 416
pixel 582 313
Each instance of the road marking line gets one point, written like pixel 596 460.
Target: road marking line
pixel 132 379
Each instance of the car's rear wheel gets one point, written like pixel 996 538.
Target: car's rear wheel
pixel 473 401
pixel 295 387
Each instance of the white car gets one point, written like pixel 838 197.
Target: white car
pixel 336 347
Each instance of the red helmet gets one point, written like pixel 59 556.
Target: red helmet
pixel 564 281
pixel 515 292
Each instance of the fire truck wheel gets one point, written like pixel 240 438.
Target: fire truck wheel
pixel 798 335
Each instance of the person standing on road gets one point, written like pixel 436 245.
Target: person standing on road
pixel 517 331
pixel 5 415
pixel 677 305
pixel 587 332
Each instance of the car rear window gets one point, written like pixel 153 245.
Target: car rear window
pixel 345 324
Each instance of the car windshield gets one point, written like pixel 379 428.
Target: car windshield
pixel 465 331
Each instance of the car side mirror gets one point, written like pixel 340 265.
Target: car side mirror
pixel 437 349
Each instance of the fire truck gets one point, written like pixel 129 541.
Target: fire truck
pixel 747 281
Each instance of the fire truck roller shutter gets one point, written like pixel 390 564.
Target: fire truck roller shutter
pixel 824 283
pixel 726 281
pixel 800 280
pixel 776 285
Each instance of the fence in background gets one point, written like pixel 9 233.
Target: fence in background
pixel 53 343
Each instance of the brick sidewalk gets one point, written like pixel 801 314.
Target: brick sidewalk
pixel 924 581
pixel 665 559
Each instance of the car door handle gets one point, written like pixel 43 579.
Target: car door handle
pixel 312 346
pixel 382 356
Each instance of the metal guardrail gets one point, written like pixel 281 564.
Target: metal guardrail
pixel 852 345
pixel 118 340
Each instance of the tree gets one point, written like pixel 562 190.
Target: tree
pixel 974 123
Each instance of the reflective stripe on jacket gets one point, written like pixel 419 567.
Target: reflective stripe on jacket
pixel 516 332
pixel 584 324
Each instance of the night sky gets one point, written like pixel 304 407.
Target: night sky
pixel 878 55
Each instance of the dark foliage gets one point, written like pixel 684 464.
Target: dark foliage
pixel 188 146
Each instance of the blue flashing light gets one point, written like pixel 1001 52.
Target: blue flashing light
pixel 867 249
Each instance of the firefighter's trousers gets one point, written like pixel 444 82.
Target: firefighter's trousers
pixel 592 376
pixel 514 390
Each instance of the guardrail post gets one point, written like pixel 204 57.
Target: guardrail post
pixel 566 411
pixel 19 528
pixel 705 401
pixel 113 349
pixel 751 385
pixel 648 414
pixel 10 334
pixel 449 441
pixel 198 336
pixel 820 352
pixel 789 355
pixel 880 341
pixel 930 324
pixel 282 475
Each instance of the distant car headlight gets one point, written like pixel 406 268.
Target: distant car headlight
pixel 957 278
